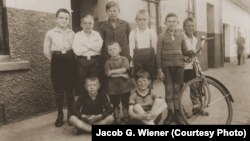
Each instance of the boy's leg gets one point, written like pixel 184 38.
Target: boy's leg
pixel 106 121
pixel 79 124
pixel 168 94
pixel 59 96
pixel 125 105
pixel 82 70
pixel 138 109
pixel 178 81
pixel 115 101
pixel 70 101
pixel 159 106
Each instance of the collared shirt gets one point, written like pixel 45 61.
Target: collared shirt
pixel 144 39
pixel 190 44
pixel 87 45
pixel 86 105
pixel 169 52
pixel 57 40
pixel 119 34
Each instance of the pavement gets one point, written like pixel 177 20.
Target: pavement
pixel 235 78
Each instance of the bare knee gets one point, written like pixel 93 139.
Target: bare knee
pixel 73 119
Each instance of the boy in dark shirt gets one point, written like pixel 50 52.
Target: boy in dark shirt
pixel 91 108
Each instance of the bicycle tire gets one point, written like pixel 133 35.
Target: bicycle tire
pixel 208 100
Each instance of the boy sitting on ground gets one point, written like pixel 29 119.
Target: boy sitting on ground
pixel 93 108
pixel 145 106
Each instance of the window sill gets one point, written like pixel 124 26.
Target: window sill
pixel 7 65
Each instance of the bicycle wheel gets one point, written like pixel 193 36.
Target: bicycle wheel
pixel 204 101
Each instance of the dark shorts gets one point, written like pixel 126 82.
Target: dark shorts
pixel 63 71
pixel 86 68
pixel 173 75
pixel 144 59
pixel 189 75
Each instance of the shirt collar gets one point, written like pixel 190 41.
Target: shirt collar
pixel 91 34
pixel 118 23
pixel 168 32
pixel 138 30
pixel 56 29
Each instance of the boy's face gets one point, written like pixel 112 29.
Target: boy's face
pixel 113 13
pixel 62 19
pixel 114 50
pixel 92 87
pixel 143 83
pixel 87 24
pixel 171 23
pixel 189 28
pixel 142 21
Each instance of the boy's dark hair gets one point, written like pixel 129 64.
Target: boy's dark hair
pixel 87 16
pixel 112 4
pixel 112 43
pixel 189 19
pixel 91 78
pixel 170 15
pixel 62 10
pixel 142 74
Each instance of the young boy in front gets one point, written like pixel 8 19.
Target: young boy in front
pixel 144 105
pixel 92 108
pixel 170 66
pixel 58 50
pixel 87 46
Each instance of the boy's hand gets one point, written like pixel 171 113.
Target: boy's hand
pixel 125 76
pixel 109 73
pixel 161 75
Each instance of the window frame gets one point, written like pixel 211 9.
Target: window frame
pixel 4 48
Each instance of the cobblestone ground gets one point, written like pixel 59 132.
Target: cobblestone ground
pixel 235 78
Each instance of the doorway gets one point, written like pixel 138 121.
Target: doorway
pixel 210 33
pixel 81 8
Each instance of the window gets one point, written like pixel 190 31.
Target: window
pixel 191 9
pixel 4 49
pixel 153 9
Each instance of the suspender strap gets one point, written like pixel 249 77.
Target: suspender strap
pixel 150 40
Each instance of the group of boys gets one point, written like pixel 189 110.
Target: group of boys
pixel 89 70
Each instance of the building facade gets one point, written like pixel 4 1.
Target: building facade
pixel 25 86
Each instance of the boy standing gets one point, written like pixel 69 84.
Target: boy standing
pixel 87 46
pixel 116 30
pixel 58 50
pixel 92 108
pixel 142 43
pixel 170 65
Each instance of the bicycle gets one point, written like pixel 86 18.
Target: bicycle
pixel 215 100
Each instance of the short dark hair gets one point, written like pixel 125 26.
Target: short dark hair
pixel 112 4
pixel 112 43
pixel 170 15
pixel 142 74
pixel 62 10
pixel 91 78
pixel 87 16
pixel 189 19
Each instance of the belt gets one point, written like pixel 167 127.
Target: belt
pixel 61 52
pixel 88 57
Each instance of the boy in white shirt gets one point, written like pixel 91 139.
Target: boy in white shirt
pixel 142 43
pixel 87 46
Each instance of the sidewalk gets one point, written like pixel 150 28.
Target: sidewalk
pixel 235 78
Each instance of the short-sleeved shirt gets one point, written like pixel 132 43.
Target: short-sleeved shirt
pixel 119 34
pixel 118 85
pixel 86 105
pixel 56 40
pixel 190 44
pixel 145 101
pixel 169 52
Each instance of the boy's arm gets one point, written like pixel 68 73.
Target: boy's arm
pixel 131 43
pixel 77 46
pixel 159 53
pixel 154 39
pixel 131 112
pixel 77 107
pixel 97 43
pixel 47 46
pixel 107 107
